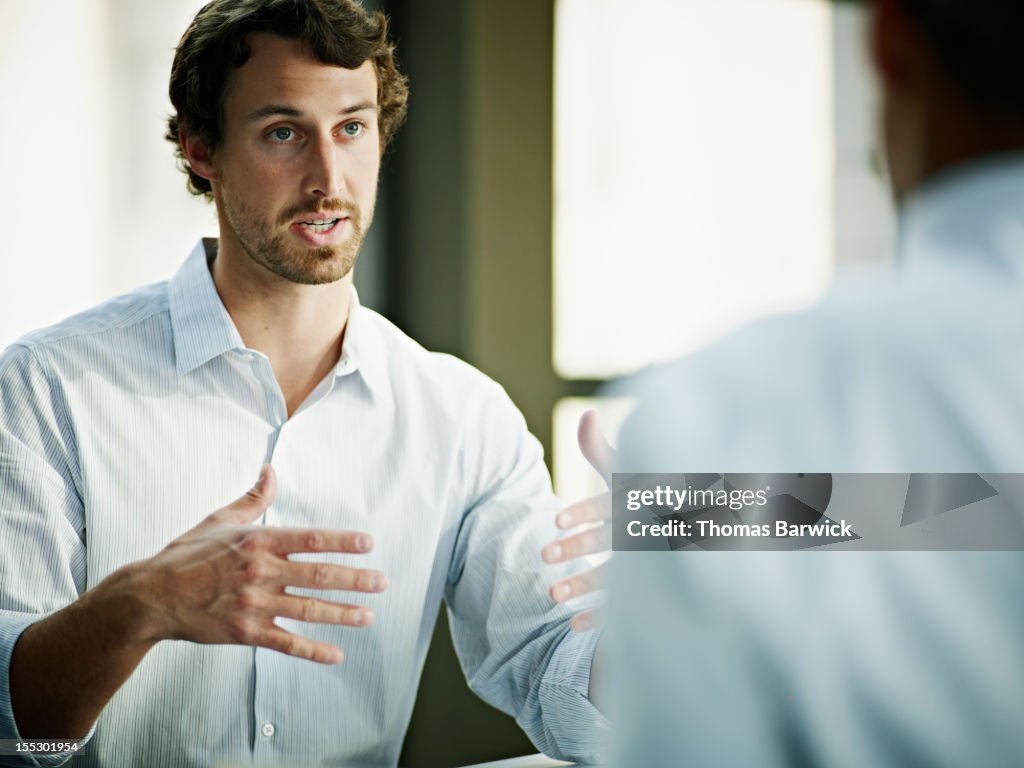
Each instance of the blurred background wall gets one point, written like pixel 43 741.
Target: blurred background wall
pixel 582 187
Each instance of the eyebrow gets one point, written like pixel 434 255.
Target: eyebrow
pixel 283 110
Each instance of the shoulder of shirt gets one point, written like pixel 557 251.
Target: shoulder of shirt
pixel 734 364
pixel 405 358
pixel 867 345
pixel 870 323
pixel 115 314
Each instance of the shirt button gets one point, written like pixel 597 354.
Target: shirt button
pixel 267 730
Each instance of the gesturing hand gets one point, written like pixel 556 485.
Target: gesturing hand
pixel 592 541
pixel 225 580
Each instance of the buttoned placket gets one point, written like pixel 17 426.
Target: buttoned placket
pixel 268 687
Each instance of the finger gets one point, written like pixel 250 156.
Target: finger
pixel 314 611
pixel 330 576
pixel 289 541
pixel 277 639
pixel 580 584
pixel 587 511
pixel 588 542
pixel 587 620
pixel 248 507
pixel 594 447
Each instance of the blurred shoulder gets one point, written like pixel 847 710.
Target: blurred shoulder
pixel 883 355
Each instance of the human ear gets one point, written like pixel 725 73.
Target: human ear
pixel 895 44
pixel 198 154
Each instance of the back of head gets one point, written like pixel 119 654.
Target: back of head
pixel 337 32
pixel 976 42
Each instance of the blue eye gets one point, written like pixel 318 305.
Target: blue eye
pixel 353 129
pixel 282 134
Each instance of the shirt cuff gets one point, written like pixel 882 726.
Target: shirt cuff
pixel 11 628
pixel 578 727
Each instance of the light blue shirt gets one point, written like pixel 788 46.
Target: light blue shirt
pixel 123 427
pixel 842 658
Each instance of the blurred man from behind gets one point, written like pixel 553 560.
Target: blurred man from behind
pixel 856 658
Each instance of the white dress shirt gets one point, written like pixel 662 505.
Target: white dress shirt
pixel 124 426
pixel 842 658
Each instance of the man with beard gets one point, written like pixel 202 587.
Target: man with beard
pixel 391 477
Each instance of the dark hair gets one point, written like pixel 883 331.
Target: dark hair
pixel 338 32
pixel 977 43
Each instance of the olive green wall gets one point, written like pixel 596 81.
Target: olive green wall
pixel 467 191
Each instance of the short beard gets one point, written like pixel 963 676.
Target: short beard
pixel 307 266
pixel 295 263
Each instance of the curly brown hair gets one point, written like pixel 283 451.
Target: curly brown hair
pixel 337 32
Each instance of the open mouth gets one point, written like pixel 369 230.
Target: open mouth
pixel 320 225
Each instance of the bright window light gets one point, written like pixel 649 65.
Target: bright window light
pixel 694 166
pixel 53 178
pixel 91 204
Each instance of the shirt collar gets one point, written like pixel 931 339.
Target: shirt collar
pixel 972 211
pixel 363 348
pixel 203 329
pixel 201 325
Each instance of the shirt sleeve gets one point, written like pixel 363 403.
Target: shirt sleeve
pixel 515 645
pixel 42 530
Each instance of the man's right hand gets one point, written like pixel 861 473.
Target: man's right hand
pixel 225 581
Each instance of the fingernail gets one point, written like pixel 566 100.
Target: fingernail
pixel 364 543
pixel 562 591
pixel 582 624
pixel 563 520
pixel 362 618
pixel 553 552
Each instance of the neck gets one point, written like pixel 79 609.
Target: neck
pixel 969 146
pixel 300 328
pixel 955 132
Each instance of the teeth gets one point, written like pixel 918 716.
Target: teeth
pixel 321 225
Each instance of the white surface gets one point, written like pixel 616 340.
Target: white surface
pixel 528 761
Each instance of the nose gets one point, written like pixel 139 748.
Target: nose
pixel 324 175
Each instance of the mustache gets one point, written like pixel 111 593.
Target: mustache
pixel 294 211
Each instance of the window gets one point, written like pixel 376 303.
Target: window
pixel 92 203
pixel 706 172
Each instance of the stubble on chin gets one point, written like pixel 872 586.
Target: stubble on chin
pixel 273 248
pixel 308 266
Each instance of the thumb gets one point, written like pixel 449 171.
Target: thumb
pixel 253 503
pixel 594 447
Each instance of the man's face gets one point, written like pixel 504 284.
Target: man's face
pixel 296 173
